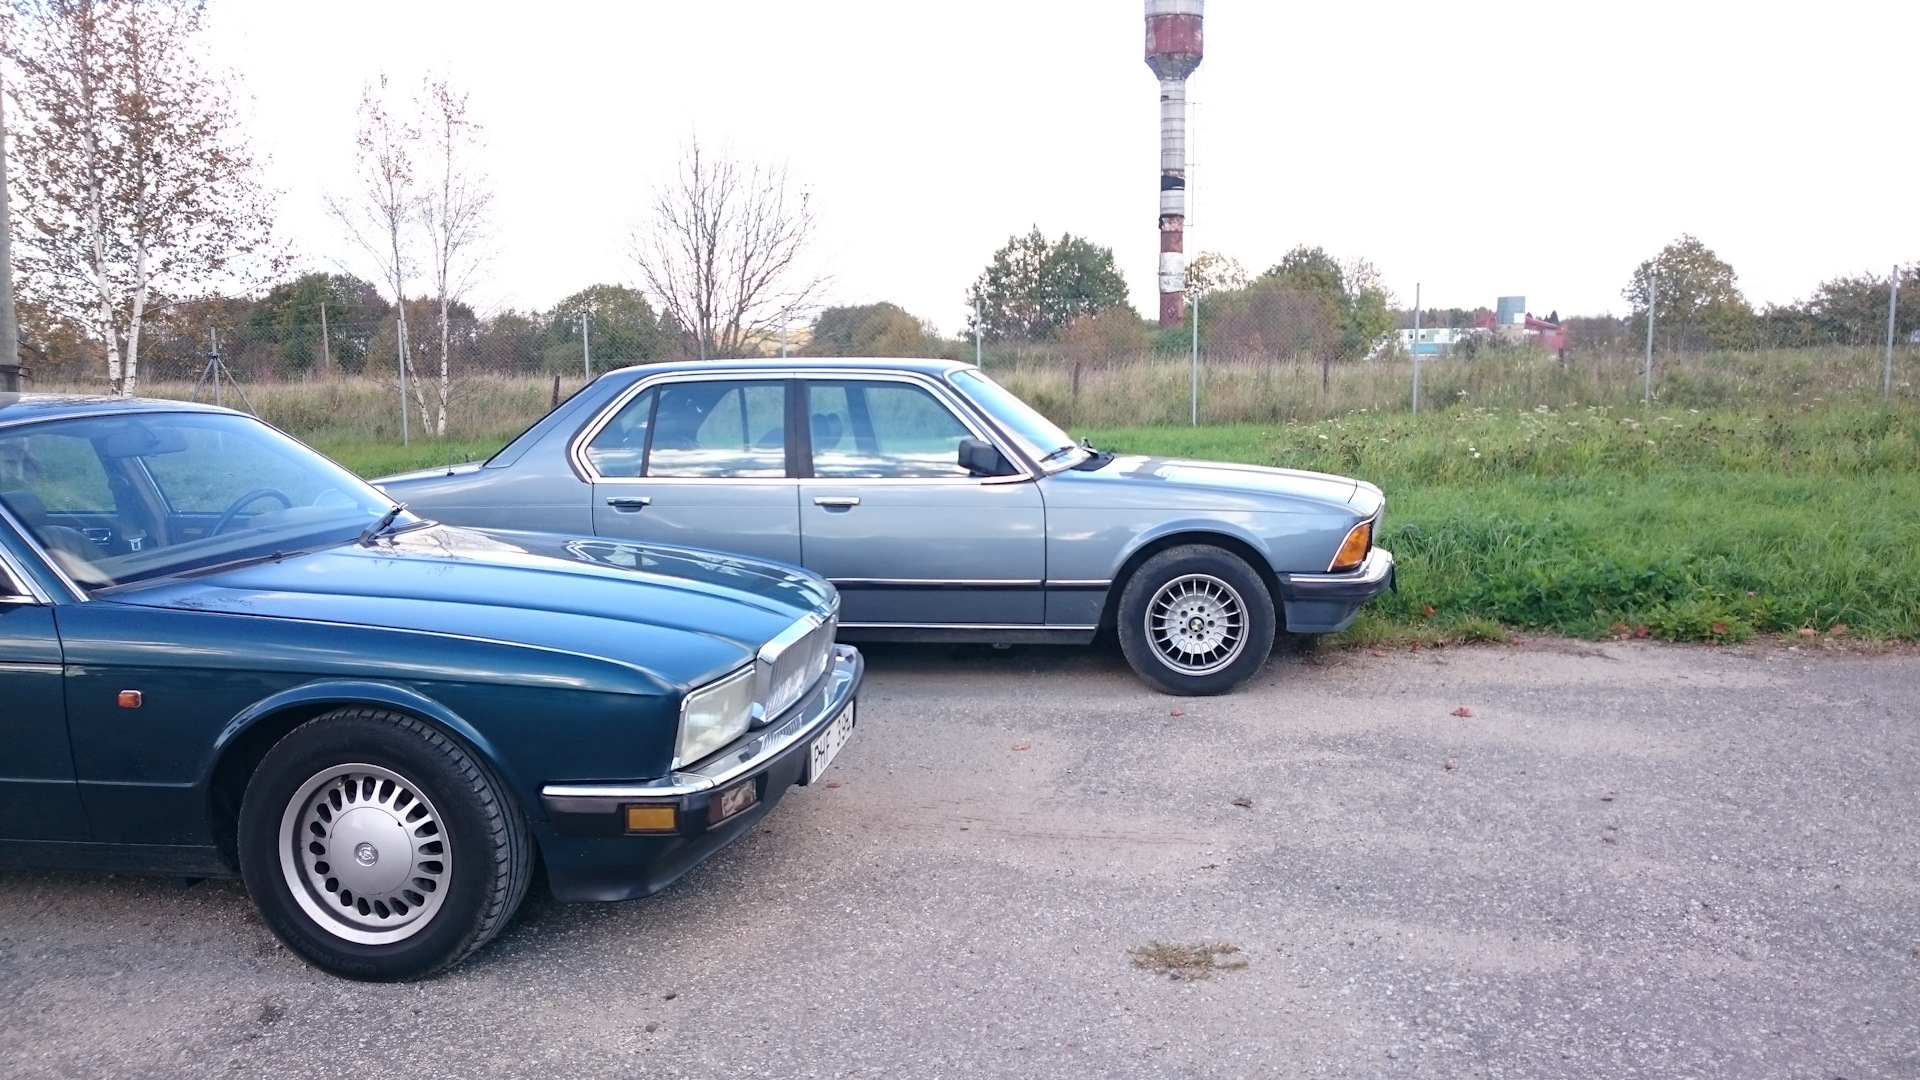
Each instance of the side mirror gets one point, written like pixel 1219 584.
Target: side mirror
pixel 982 458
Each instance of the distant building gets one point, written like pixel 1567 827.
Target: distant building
pixel 1513 321
pixel 1436 340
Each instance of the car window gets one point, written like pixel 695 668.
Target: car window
pixel 213 466
pixel 62 472
pixel 878 429
pixel 719 428
pixel 620 449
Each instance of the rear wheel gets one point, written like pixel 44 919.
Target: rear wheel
pixel 377 848
pixel 1195 619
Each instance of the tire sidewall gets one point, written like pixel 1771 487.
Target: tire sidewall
pixel 371 739
pixel 1175 562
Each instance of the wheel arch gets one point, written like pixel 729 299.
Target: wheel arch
pixel 1226 541
pixel 247 738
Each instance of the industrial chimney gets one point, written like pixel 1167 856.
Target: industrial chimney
pixel 1173 51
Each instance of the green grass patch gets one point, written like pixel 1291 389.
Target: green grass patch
pixel 1676 525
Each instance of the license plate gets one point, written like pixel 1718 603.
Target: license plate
pixel 821 754
pixel 731 801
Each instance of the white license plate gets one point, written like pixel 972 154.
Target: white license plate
pixel 821 753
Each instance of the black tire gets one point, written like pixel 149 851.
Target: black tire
pixel 360 787
pixel 1195 620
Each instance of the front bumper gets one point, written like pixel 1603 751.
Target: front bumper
pixel 590 856
pixel 1327 603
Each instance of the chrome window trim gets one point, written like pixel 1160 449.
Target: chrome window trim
pixel 955 402
pixel 937 583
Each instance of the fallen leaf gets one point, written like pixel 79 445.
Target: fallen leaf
pixel 1428 610
pixel 1719 628
pixel 1839 629
pixel 1244 802
pixel 833 783
pixel 1463 711
pixel 1022 746
pixel 1515 640
pixel 1452 764
pixel 1808 631
pixel 1619 629
pixel 1177 712
pixel 1641 631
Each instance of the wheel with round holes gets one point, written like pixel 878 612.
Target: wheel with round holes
pixel 380 849
pixel 1195 619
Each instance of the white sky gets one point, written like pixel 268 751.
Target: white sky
pixel 1480 148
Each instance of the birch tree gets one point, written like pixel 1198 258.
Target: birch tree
pixel 378 216
pixel 453 214
pixel 723 248
pixel 131 178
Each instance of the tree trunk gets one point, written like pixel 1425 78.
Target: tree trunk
pixel 130 367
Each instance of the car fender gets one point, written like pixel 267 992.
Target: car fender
pixel 351 692
pixel 1196 527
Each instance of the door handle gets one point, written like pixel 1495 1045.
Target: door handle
pixel 628 504
pixel 837 502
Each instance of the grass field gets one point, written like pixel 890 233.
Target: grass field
pixel 1588 514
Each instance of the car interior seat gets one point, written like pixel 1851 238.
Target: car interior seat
pixel 32 513
pixel 827 430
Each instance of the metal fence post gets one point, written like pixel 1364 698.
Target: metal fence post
pixel 1653 293
pixel 1416 348
pixel 1195 420
pixel 586 349
pixel 1893 300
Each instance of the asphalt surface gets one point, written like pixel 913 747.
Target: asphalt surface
pixel 1629 860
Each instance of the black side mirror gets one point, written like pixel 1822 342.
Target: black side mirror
pixel 982 458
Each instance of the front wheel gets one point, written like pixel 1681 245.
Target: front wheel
pixel 379 849
pixel 1195 620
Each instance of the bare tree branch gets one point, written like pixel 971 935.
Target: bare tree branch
pixel 722 251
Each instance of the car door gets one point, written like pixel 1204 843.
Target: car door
pixel 700 462
pixel 39 794
pixel 891 517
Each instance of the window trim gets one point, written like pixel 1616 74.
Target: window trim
pixel 794 378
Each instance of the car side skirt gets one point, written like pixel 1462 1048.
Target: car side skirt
pixel 190 860
pixel 968 633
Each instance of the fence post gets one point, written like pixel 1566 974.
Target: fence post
pixel 1195 420
pixel 1653 293
pixel 1893 299
pixel 586 349
pixel 1416 348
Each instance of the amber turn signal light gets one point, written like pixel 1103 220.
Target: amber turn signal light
pixel 129 699
pixel 652 819
pixel 1353 550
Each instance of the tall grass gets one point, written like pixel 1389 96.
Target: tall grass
pixel 1238 391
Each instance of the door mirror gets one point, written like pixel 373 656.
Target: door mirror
pixel 982 458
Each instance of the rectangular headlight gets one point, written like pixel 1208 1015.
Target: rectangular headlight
pixel 715 715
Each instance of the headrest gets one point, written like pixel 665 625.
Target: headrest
pixel 26 506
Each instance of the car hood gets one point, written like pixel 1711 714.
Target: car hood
pixel 681 615
pixel 1230 486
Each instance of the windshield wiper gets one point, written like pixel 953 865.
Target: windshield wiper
pixel 1062 452
pixel 379 528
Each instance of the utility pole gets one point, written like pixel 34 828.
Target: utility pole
pixel 11 373
pixel 586 349
pixel 1893 307
pixel 1653 296
pixel 1416 348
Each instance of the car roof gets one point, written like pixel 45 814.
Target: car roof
pixel 22 408
pixel 923 365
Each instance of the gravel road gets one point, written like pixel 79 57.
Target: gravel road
pixel 1552 859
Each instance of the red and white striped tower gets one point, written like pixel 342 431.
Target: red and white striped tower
pixel 1173 51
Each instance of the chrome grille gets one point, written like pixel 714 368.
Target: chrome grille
pixel 790 664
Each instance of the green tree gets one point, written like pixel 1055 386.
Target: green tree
pixel 1698 297
pixel 320 322
pixel 1310 302
pixel 880 329
pixel 621 329
pixel 1033 288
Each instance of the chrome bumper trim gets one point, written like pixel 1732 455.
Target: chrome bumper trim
pixel 806 720
pixel 1370 579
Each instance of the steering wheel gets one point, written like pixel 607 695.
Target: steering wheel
pixel 245 501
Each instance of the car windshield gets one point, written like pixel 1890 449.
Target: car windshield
pixel 131 496
pixel 1040 437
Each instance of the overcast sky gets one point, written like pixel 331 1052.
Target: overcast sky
pixel 1478 148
